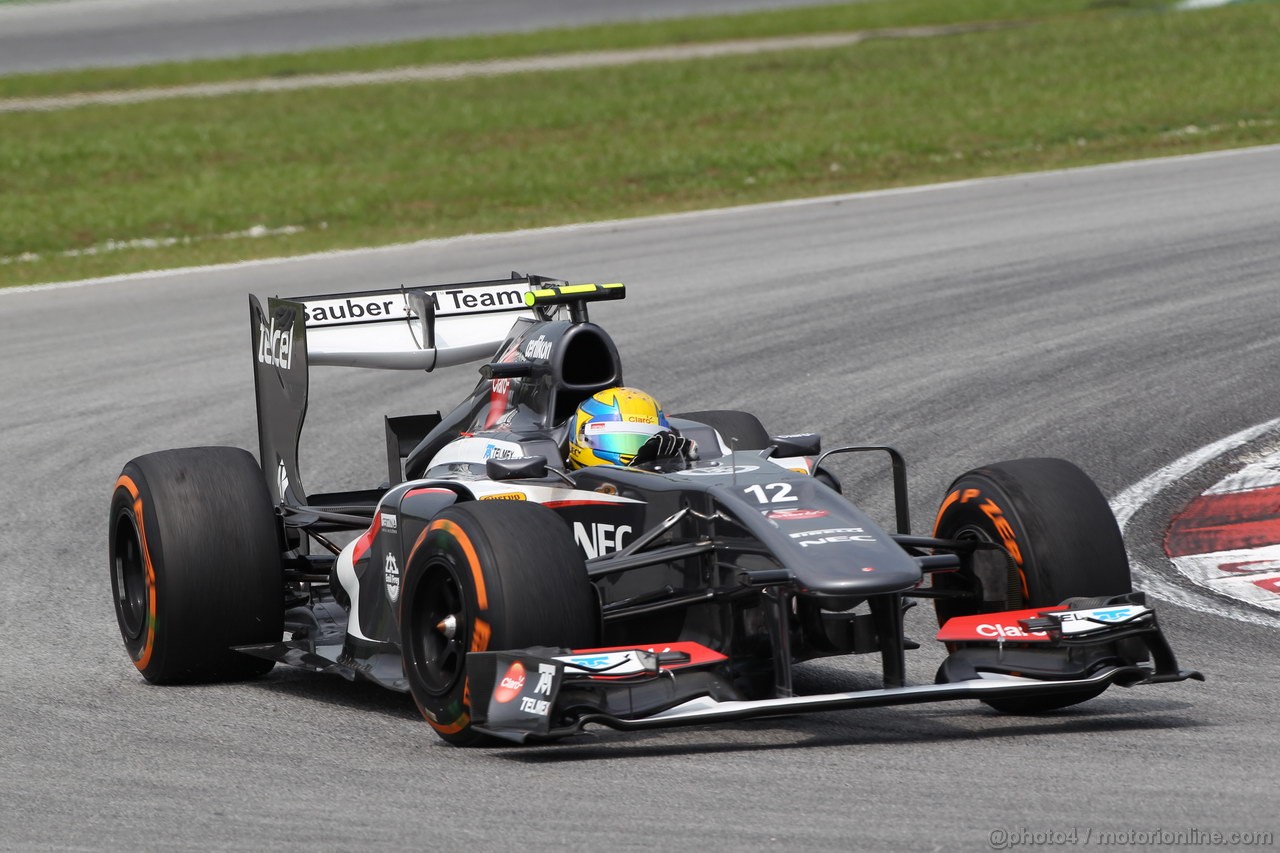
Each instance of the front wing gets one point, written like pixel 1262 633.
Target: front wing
pixel 544 694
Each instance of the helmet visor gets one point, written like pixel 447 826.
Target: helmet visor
pixel 618 438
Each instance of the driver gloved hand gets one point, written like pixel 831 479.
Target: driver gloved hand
pixel 665 445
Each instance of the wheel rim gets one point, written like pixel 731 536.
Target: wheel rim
pixel 439 626
pixel 950 608
pixel 130 572
pixel 970 532
pixel 973 533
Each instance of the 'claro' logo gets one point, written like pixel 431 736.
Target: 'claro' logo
pixel 275 345
pixel 512 683
pixel 997 630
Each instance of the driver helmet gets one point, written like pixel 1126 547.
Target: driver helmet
pixel 612 425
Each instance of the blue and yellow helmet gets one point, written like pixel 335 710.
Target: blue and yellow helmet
pixel 610 427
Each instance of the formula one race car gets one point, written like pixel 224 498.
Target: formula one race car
pixel 516 596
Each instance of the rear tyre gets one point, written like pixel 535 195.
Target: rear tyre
pixel 488 576
pixel 1057 529
pixel 195 564
pixel 743 427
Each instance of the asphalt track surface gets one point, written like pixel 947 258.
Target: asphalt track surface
pixel 44 36
pixel 1120 317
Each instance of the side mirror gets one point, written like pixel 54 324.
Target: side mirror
pixel 807 444
pixel 507 370
pixel 521 468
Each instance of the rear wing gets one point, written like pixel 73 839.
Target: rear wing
pixel 418 328
pixel 407 328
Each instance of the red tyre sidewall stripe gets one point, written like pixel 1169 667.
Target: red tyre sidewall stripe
pixel 148 647
pixel 473 562
pixel 480 629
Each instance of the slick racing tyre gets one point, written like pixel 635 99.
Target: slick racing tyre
pixel 1058 537
pixel 742 427
pixel 486 577
pixel 195 564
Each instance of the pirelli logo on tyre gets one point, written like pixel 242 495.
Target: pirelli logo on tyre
pixel 991 510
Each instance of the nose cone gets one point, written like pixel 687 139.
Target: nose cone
pixel 851 558
pixel 828 545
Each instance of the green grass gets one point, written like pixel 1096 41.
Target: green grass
pixel 854 16
pixel 373 165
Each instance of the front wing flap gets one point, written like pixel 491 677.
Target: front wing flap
pixel 1060 643
pixel 546 694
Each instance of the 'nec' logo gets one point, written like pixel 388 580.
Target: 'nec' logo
pixel 600 539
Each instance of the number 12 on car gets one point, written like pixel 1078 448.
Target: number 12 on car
pixel 771 493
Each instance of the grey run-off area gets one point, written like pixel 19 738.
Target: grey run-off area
pixel 60 34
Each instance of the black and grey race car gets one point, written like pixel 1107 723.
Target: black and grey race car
pixel 514 598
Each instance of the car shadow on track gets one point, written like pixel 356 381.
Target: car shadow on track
pixel 1114 712
pixel 886 726
pixel 334 690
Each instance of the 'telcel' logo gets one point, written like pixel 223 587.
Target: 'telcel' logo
pixel 275 346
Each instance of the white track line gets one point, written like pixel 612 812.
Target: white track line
pixel 657 219
pixel 1132 500
pixel 493 67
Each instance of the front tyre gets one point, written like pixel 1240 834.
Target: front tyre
pixel 1059 538
pixel 487 577
pixel 195 564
